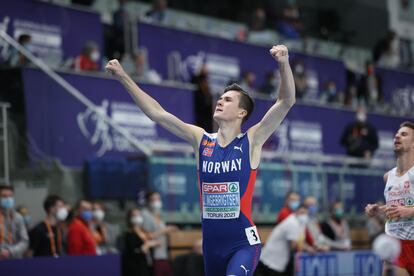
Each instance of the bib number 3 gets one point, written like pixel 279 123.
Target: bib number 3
pixel 252 235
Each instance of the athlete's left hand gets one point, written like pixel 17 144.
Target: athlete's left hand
pixel 280 53
pixel 399 212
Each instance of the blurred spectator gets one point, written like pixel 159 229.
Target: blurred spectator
pixel 88 60
pixel 158 11
pixel 301 79
pixel 14 240
pixel 157 229
pixel 336 228
pixel 351 96
pixel 330 94
pixel 288 237
pixel 115 37
pixel 290 25
pixel 247 81
pixel 16 58
pixel 103 232
pixel 136 246
pixel 375 224
pixel 369 87
pixel 271 85
pixel 359 137
pixel 387 51
pixel 320 241
pixel 140 67
pixel 24 212
pixel 80 238
pixel 47 237
pixel 190 264
pixel 258 20
pixel 203 104
pixel 292 202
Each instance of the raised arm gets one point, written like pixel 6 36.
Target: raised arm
pixel 153 109
pixel 260 132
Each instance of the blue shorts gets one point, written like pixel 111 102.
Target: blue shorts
pixel 238 262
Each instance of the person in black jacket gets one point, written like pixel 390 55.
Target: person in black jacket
pixel 136 246
pixel 359 137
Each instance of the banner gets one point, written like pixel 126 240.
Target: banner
pixel 109 265
pixel 179 54
pixel 61 127
pixel 55 30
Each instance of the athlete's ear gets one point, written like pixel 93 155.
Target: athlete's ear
pixel 242 113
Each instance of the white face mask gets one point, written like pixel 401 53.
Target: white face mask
pixel 361 117
pixel 95 55
pixel 303 219
pixel 137 220
pixel 62 214
pixel 156 206
pixel 99 215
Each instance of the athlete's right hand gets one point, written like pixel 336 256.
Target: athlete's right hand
pixel 115 68
pixel 372 209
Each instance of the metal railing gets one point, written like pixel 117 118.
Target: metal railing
pixel 70 89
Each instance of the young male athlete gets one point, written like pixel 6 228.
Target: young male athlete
pixel 227 163
pixel 399 196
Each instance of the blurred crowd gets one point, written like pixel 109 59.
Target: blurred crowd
pixel 84 229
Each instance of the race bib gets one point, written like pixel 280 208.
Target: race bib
pixel 221 200
pixel 252 235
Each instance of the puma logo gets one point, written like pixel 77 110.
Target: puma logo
pixel 245 269
pixel 238 148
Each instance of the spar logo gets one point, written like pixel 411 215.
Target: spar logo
pixel 215 188
pixel 233 187
pixel 220 188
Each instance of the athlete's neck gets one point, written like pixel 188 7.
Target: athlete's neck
pixel 404 162
pixel 226 133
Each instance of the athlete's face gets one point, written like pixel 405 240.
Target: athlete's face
pixel 404 140
pixel 227 107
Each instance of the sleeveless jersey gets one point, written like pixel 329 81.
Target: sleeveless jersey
pixel 399 191
pixel 226 183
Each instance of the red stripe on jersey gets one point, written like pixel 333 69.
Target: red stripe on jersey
pixel 246 201
pixel 199 190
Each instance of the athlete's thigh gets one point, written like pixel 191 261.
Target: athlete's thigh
pixel 214 265
pixel 244 261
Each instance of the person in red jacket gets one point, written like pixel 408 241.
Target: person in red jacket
pixel 88 60
pixel 292 202
pixel 80 240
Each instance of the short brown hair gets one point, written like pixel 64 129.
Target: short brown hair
pixel 407 124
pixel 6 187
pixel 246 102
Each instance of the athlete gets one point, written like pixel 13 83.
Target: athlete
pixel 399 197
pixel 227 164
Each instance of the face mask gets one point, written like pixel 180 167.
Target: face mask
pixel 156 206
pixel 62 214
pixel 299 69
pixel 99 215
pixel 7 202
pixel 293 205
pixel 313 210
pixel 339 212
pixel 361 117
pixel 137 220
pixel 303 219
pixel 86 215
pixel 95 56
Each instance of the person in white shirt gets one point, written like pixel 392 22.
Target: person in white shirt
pixel 285 239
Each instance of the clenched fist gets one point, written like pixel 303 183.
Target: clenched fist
pixel 280 53
pixel 115 68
